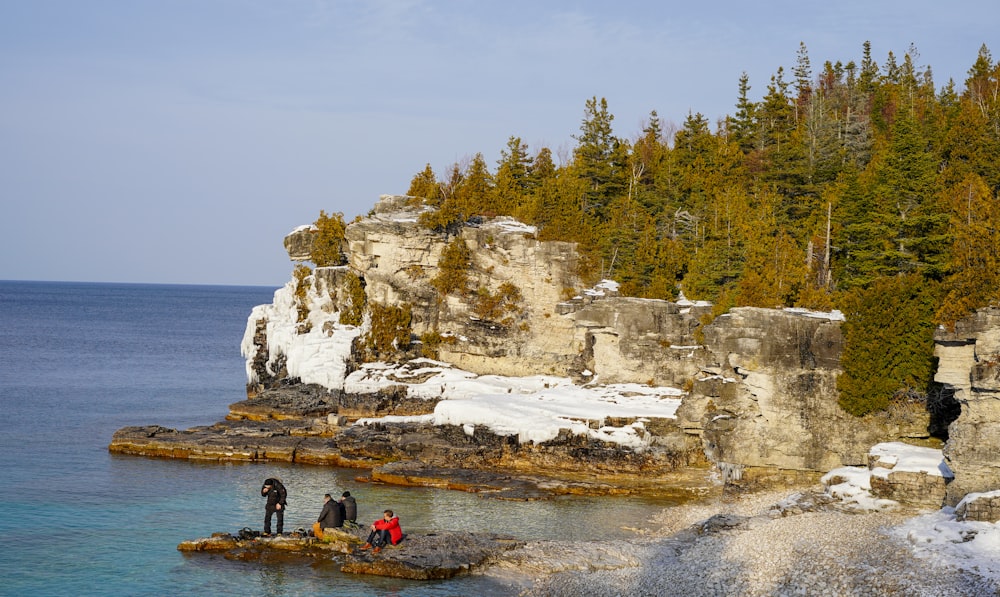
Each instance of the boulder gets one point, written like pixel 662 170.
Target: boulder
pixel 981 507
pixel 299 243
pixel 909 474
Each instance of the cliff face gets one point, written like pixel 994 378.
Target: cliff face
pixel 398 259
pixel 773 393
pixel 969 364
pixel 761 383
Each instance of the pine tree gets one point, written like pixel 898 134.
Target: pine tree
pixel 425 186
pixel 649 153
pixel 970 147
pixel 803 80
pixel 718 260
pixel 741 125
pixel 865 250
pixel 328 244
pixel 598 158
pixel 475 194
pixel 869 70
pixel 973 274
pixel 905 181
pixel 512 178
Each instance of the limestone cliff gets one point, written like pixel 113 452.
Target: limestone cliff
pixel 760 383
pixel 770 395
pixel 969 364
pixel 397 259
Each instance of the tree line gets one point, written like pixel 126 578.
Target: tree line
pixel 836 186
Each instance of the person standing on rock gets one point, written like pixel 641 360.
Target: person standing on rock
pixel 384 531
pixel 330 517
pixel 277 498
pixel 349 509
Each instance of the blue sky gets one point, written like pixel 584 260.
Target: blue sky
pixel 178 141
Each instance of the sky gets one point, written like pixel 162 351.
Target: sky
pixel 179 141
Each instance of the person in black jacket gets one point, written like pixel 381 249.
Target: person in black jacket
pixel 276 496
pixel 350 508
pixel 329 518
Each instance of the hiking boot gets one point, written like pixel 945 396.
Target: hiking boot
pixel 376 550
pixel 366 546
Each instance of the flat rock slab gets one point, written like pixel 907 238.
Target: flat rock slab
pixel 429 556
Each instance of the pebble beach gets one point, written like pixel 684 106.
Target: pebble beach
pixel 767 544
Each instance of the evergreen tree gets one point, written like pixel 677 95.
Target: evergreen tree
pixel 512 178
pixel 865 250
pixel 970 147
pixel 982 86
pixel 741 125
pixel 803 80
pixel 425 186
pixel 973 279
pixel 649 153
pixel 597 157
pixel 474 195
pixel 328 244
pixel 905 181
pixel 869 70
pixel 888 344
pixel 718 260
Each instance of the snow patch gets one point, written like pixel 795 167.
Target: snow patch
pixel 834 315
pixel 902 457
pixel 317 356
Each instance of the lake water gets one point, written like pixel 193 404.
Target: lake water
pixel 80 360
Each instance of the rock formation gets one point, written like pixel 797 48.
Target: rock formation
pixel 969 365
pixel 752 391
pixel 419 557
pixel 762 382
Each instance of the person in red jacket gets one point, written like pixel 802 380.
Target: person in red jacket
pixel 384 531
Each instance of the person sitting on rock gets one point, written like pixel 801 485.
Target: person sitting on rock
pixel 329 518
pixel 276 502
pixel 384 531
pixel 349 509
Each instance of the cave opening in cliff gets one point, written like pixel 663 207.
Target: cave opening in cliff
pixel 943 409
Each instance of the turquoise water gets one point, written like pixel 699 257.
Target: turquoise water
pixel 78 361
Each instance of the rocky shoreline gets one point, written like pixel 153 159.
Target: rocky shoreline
pixel 751 544
pixel 304 425
pixel 767 544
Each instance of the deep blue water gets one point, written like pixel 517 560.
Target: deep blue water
pixel 80 360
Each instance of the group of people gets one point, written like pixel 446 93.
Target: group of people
pixel 335 514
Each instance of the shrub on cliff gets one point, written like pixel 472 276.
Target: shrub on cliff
pixel 302 285
pixel 888 344
pixel 329 241
pixel 453 268
pixel 353 310
pixel 389 333
pixel 500 306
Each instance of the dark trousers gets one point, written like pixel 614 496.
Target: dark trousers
pixel 379 538
pixel 267 520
